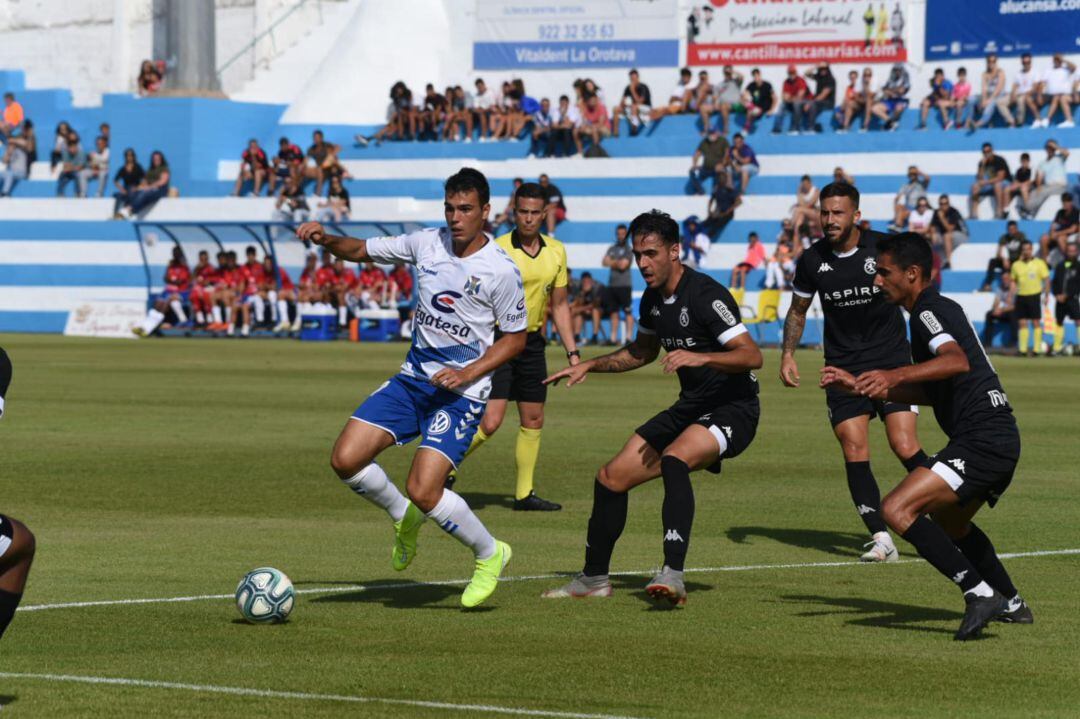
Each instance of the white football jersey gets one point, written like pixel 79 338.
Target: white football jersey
pixel 459 302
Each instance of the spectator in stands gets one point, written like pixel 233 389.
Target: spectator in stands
pixel 13 115
pixel 780 266
pixel 1062 232
pixel 702 100
pixel 483 103
pixel 722 205
pixel 555 206
pixel 20 153
pixel 541 135
pixel 711 158
pixel 1065 286
pixel 433 112
pixel 149 80
pixel 1056 84
pixel 839 174
pixel 374 286
pixel 280 293
pixel 892 102
pixel 97 167
pixel 991 178
pixel 729 97
pixel 499 114
pixel 321 155
pixel 823 98
pixel 993 97
pixel 336 206
pixel 563 122
pixel 401 288
pixel 308 291
pixel 1023 96
pixel 744 162
pixel 1021 185
pixel 679 97
pixel 399 118
pixel 758 99
pixel 636 106
pixel 72 163
pixel 619 259
pixel 695 243
pixel 291 205
pixel 920 218
pixel 507 215
pixel 249 300
pixel 175 295
pixel 226 287
pixel 1051 178
pixel 850 104
pixel 105 130
pixel 344 282
pixel 755 256
pixel 805 209
pixel 525 106
pixel 126 180
pixel 1008 252
pixel 862 102
pixel 1032 279
pixel 595 125
pixel 940 97
pixel 1003 311
pixel 60 140
pixel 948 229
pixel 907 196
pixel 202 281
pixel 254 168
pixel 793 94
pixel 288 162
pixel 586 304
pixel 962 101
pixel 459 114
pixel 154 186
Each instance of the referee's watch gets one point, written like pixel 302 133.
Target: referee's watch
pixel 573 353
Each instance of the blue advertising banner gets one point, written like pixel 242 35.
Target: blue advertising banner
pixel 973 28
pixel 558 34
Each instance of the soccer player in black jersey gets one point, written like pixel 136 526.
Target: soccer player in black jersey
pixel 862 331
pixel 696 321
pixel 933 506
pixel 16 541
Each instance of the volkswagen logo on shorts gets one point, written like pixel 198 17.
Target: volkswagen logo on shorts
pixel 444 301
pixel 439 423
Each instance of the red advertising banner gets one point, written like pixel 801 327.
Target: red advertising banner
pixel 796 31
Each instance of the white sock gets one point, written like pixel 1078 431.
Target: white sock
pixel 200 317
pixel 228 315
pixel 260 310
pixel 216 312
pixel 178 310
pixel 372 484
pixel 153 319
pixel 342 315
pixel 457 520
pixel 982 589
pixel 271 299
pixel 282 311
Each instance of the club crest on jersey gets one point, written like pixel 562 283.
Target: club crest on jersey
pixel 870 266
pixel 725 314
pixel 684 317
pixel 930 321
pixel 444 301
pixel 439 423
pixel 472 286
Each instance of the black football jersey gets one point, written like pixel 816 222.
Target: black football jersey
pixel 862 330
pixel 968 402
pixel 701 316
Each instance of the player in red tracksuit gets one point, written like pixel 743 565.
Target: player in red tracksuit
pixel 204 276
pixel 177 289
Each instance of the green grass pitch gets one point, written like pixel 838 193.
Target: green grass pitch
pixel 162 469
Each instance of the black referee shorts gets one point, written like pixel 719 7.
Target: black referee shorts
pixel 843 407
pixel 733 424
pixel 979 466
pixel 7 534
pixel 616 299
pixel 522 378
pixel 1029 307
pixel 1070 309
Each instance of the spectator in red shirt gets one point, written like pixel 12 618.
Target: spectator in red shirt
pixel 278 289
pixel 308 293
pixel 251 298
pixel 346 284
pixel 287 163
pixel 254 167
pixel 225 291
pixel 594 123
pixel 374 286
pixel 177 290
pixel 149 80
pixel 792 99
pixel 204 275
pixel 755 256
pixel 401 284
pixel 326 280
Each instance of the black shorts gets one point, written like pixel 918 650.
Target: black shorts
pixel 1029 307
pixel 7 533
pixel 616 299
pixel 733 424
pixel 1070 309
pixel 522 378
pixel 843 407
pixel 979 466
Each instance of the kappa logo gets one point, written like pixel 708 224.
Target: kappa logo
pixel 824 267
pixel 870 266
pixel 959 577
pixel 439 423
pixel 930 321
pixel 684 317
pixel 673 535
pixel 727 431
pixel 958 464
pixel 725 314
pixel 654 312
pixel 863 509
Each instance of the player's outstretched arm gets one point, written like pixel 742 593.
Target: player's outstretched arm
pixel 350 249
pixel 504 349
pixel 644 349
pixel 794 324
pixel 904 384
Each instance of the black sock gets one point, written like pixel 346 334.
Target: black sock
pixel 605 525
pixel 865 495
pixel 915 461
pixel 934 546
pixel 977 548
pixel 678 511
pixel 8 603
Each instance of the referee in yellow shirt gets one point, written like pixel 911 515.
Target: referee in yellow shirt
pixel 1031 276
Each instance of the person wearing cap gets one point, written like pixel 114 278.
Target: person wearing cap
pixel 792 96
pixel 711 158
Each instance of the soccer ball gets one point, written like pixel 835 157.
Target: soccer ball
pixel 265 596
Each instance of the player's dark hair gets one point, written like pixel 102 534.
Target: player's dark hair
pixel 1066 196
pixel 987 146
pixel 586 275
pixel 620 226
pixel 840 189
pixel 467 179
pixel 250 250
pixel 530 191
pixel 1026 242
pixel 656 223
pixel 1012 223
pixel 1025 156
pixel 908 249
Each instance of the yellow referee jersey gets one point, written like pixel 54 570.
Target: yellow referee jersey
pixel 1029 276
pixel 539 274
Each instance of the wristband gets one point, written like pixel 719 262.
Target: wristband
pixel 573 353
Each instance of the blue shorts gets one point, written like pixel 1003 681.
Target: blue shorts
pixel 166 296
pixel 407 408
pixel 893 103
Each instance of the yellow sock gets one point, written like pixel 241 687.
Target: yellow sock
pixel 1059 337
pixel 528 449
pixel 478 439
pixel 1038 339
pixel 1024 334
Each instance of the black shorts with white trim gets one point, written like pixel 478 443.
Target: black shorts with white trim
pixel 732 424
pixel 979 466
pixel 7 534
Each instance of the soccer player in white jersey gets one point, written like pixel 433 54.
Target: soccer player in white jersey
pixel 466 285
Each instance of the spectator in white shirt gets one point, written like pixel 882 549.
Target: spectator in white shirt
pixel 1056 83
pixel 678 99
pixel 920 218
pixel 1023 95
pixel 483 101
pixel 97 167
pixel 992 98
pixel 1050 177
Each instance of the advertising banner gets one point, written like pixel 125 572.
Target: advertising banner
pixel 762 32
pixel 105 319
pixel 1005 27
pixel 538 35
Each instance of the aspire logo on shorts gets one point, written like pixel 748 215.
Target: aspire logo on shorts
pixel 444 301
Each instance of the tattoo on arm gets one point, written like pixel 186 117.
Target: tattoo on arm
pixel 638 353
pixel 795 322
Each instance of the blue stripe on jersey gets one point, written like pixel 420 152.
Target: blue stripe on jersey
pixel 454 354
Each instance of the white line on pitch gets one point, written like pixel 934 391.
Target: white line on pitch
pixel 305 696
pixel 520 578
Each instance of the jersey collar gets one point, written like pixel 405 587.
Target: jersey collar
pixel 678 288
pixel 516 244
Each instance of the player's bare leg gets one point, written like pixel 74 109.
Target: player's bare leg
pixel 17 546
